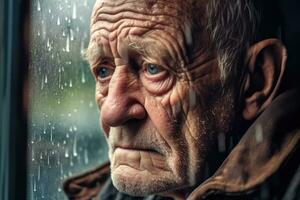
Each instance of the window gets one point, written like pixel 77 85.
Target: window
pixel 64 134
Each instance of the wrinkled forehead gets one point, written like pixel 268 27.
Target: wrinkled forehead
pixel 130 21
pixel 162 11
pixel 173 7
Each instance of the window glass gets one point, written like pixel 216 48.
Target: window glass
pixel 64 134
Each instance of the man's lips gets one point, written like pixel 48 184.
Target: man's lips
pixel 134 148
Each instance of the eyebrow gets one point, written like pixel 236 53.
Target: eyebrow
pixel 93 52
pixel 149 49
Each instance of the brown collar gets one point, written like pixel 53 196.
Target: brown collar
pixel 264 148
pixel 87 186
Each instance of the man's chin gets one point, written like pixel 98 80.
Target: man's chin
pixel 136 182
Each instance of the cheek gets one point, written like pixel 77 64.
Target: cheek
pixel 166 114
pixel 159 114
pixel 100 97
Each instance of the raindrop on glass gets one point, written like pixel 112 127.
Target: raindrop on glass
pixel 74 13
pixel 86 158
pixel 58 21
pixel 68 44
pixel 39 172
pixel 75 146
pixel 82 77
pixel 34 185
pixel 71 35
pixel 38 6
pixel 67 153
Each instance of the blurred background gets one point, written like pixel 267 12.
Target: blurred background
pixel 64 134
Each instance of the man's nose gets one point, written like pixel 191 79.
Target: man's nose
pixel 123 100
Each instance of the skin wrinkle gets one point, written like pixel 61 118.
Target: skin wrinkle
pixel 162 135
pixel 170 50
pixel 172 46
pixel 113 9
pixel 157 51
pixel 123 16
pixel 170 126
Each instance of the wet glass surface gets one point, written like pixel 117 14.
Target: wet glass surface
pixel 65 138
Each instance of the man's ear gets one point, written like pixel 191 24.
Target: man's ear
pixel 265 63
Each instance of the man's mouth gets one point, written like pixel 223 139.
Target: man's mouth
pixel 132 148
pixel 136 148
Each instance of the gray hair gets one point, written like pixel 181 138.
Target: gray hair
pixel 232 26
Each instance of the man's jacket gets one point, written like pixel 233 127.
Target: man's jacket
pixel 263 165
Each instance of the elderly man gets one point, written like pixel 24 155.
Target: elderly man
pixel 178 83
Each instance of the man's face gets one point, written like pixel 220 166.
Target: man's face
pixel 158 89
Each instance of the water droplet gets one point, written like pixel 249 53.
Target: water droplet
pixel 82 77
pixel 39 172
pixel 67 153
pixel 34 185
pixel 46 79
pixel 51 135
pixel 70 84
pixel 75 146
pixel 42 85
pixel 86 158
pixel 71 35
pixel 74 13
pixel 32 154
pixel 48 43
pixel 82 50
pixel 68 44
pixel 58 21
pixel 38 6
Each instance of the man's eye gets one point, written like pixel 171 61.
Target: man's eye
pixel 103 72
pixel 153 69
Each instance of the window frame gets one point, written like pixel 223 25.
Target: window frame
pixel 14 56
